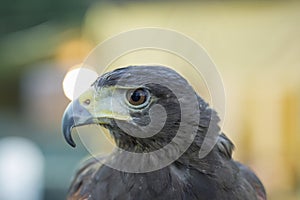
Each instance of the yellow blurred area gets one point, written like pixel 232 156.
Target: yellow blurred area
pixel 73 51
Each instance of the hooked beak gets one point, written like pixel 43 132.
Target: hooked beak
pixel 93 107
pixel 75 115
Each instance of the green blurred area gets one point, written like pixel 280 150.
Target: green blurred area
pixel 255 44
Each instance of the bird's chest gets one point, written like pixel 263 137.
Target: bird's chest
pixel 161 184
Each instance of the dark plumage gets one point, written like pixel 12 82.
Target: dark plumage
pixel 214 177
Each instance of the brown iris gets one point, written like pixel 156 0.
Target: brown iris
pixel 137 97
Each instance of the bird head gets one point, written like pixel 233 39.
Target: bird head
pixel 138 106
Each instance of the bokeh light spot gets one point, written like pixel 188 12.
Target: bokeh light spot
pixel 78 80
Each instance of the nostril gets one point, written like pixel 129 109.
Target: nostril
pixel 87 102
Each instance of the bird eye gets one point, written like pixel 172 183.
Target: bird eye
pixel 138 97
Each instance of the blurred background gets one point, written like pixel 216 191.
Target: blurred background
pixel 255 45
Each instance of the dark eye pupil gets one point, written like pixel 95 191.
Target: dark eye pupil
pixel 136 96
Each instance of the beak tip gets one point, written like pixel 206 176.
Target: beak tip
pixel 72 144
pixel 68 137
pixel 67 126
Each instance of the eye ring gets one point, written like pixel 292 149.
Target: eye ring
pixel 138 97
